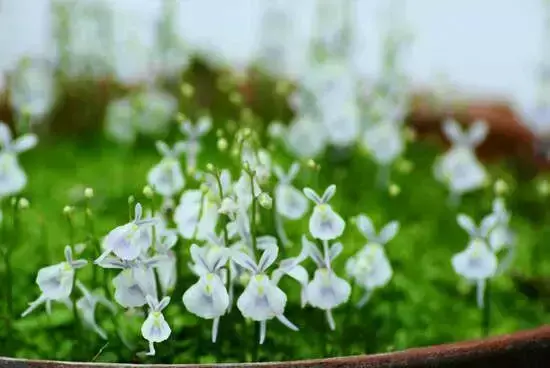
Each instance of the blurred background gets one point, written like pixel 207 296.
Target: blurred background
pixel 491 47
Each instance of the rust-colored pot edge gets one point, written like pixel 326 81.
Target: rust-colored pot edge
pixel 530 348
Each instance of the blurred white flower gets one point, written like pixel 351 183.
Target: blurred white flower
pixel 166 177
pixel 306 138
pixel 196 215
pixel 120 121
pixel 459 167
pixel 12 177
pixel 289 201
pixel 259 161
pixel 243 190
pixel 342 124
pixel 32 88
pixel 324 223
pixel 56 281
pixel 477 262
pixel 193 135
pixel 384 142
pixel 166 267
pixel 154 111
pixel 87 305
pixel 370 267
pixel 501 236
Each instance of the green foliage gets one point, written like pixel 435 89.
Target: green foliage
pixel 425 303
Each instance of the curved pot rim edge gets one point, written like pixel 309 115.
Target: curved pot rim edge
pixel 468 350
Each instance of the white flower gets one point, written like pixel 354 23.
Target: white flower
pixel 32 88
pixel 243 189
pixel 193 135
pixel 291 267
pixel 166 177
pixel 130 240
pixel 342 124
pixel 155 329
pixel 166 267
pixel 229 207
pixel 324 223
pixel 326 290
pixel 370 267
pixel 305 138
pixel 501 236
pixel 459 167
pixel 87 305
pixel 154 110
pixel 487 224
pixel 56 282
pixel 258 161
pixel 119 121
pixel 289 201
pixel 135 281
pixel 18 145
pixel 12 177
pixel 208 297
pixel 132 285
pixel 384 142
pixel 262 299
pixel 477 262
pixel 196 215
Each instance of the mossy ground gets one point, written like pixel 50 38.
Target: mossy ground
pixel 426 302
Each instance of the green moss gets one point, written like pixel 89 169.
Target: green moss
pixel 426 302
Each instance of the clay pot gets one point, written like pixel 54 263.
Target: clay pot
pixel 522 349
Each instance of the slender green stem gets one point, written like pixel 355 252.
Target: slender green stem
pixel 9 272
pixel 76 317
pixel 279 228
pixel 486 310
pixel 253 215
pixel 224 218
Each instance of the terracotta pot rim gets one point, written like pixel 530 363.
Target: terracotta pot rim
pixel 534 343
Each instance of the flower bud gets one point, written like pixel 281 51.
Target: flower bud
pixel 405 166
pixel 187 90
pixel 67 210
pixel 204 188
pixel 265 200
pixel 23 203
pixel 500 187
pixel 543 187
pixel 222 144
pixel 148 192
pixel 276 129
pixel 228 206
pixel 394 190
pixel 88 193
pixel 131 199
pixel 209 167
